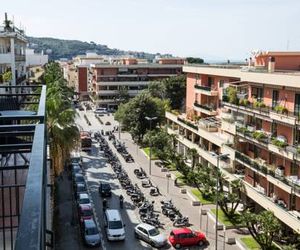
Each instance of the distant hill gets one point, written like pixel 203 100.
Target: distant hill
pixel 60 48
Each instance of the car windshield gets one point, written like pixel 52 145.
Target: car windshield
pixel 91 231
pixel 79 179
pixel 115 224
pixel 81 188
pixel 84 201
pixel 106 187
pixel 153 232
pixel 87 212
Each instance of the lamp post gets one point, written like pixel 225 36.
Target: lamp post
pixel 150 151
pixel 217 197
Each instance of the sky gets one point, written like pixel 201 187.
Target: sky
pixel 211 29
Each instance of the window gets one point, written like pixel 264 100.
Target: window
pixel 221 83
pixel 294 169
pixel 297 104
pixel 251 147
pixel 258 93
pixel 275 96
pixel 210 81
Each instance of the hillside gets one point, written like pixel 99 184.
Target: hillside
pixel 59 48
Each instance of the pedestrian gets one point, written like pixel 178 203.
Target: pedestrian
pixel 104 204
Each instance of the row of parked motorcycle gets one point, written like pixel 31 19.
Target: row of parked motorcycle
pixel 122 149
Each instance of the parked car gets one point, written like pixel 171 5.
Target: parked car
pixel 90 233
pixel 84 199
pixel 150 234
pixel 76 169
pixel 85 212
pixel 78 178
pixel 80 188
pixel 105 189
pixel 186 237
pixel 113 224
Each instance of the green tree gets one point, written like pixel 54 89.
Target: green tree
pixel 7 76
pixel 122 95
pixel 175 90
pixel 193 154
pixel 195 60
pixel 157 89
pixel 62 131
pixel 264 227
pixel 230 200
pixel 132 114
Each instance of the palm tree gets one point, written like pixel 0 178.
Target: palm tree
pixel 62 131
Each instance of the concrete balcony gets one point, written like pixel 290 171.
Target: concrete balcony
pixel 205 109
pixel 5 58
pixel 205 90
pixel 287 217
pixel 228 126
pixel 215 137
pixel 209 156
pixel 281 151
pixel 284 118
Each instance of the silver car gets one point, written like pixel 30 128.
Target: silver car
pixel 90 233
pixel 150 234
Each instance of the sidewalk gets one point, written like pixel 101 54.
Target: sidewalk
pixel 182 201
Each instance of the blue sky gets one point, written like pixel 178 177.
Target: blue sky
pixel 212 29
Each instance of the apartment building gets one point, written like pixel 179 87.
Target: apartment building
pixel 251 113
pixel 12 56
pixel 129 74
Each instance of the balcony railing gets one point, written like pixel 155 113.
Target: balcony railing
pixel 204 106
pixel 206 88
pixel 266 169
pixel 190 124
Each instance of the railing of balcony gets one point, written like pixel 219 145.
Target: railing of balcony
pixel 188 123
pixel 266 170
pixel 206 88
pixel 260 107
pixel 204 106
pixel 23 172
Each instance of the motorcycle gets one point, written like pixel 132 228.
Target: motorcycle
pixel 181 221
pixel 154 191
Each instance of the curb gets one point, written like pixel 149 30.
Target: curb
pixel 240 245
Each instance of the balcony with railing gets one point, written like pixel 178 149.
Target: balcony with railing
pixel 23 182
pixel 205 90
pixel 208 109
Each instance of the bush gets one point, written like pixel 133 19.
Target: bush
pixel 232 95
pixel 278 143
pixel 258 104
pixel 258 135
pixel 281 109
pixel 244 102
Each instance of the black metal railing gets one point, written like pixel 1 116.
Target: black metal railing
pixel 23 172
pixel 190 124
pixel 206 88
pixel 204 106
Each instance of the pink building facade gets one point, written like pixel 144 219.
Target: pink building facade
pixel 252 114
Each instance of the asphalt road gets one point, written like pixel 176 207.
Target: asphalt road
pixel 96 171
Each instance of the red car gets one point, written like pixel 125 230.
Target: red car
pixel 186 237
pixel 85 212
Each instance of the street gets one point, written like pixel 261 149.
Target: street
pixel 97 170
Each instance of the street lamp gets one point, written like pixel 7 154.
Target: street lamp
pixel 150 152
pixel 217 196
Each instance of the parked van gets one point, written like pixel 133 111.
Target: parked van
pixel 113 224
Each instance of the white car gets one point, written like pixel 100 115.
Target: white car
pixel 84 199
pixel 150 234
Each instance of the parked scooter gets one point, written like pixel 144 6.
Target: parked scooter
pixel 181 221
pixel 154 191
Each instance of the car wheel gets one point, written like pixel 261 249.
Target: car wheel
pixel 200 243
pixel 177 246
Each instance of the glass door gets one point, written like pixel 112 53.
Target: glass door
pixel 297 105
pixel 275 98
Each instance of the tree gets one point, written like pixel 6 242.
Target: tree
pixel 193 153
pixel 175 90
pixel 122 95
pixel 263 227
pixel 161 143
pixel 195 60
pixel 229 201
pixel 62 130
pixel 157 89
pixel 132 114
